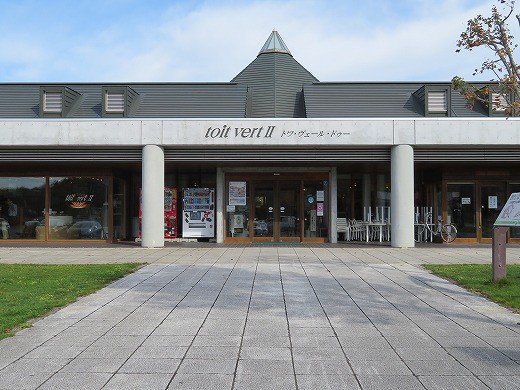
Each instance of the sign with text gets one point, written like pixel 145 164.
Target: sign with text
pixel 278 132
pixel 510 214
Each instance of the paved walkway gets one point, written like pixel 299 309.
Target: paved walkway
pixel 213 317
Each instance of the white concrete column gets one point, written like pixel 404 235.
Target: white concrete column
pixel 333 201
pixel 152 197
pixel 219 202
pixel 402 196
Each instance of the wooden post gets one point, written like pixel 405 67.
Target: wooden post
pixel 499 252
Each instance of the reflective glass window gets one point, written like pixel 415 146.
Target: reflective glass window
pixel 22 208
pixel 79 208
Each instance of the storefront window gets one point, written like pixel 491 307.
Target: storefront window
pixel 22 208
pixel 79 208
pixel 461 209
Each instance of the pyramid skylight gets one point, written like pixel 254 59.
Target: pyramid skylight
pixel 274 43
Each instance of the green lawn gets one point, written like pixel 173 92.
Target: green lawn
pixel 478 278
pixel 29 291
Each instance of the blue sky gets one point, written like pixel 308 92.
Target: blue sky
pixel 159 40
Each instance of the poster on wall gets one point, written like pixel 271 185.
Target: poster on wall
pixel 320 196
pixel 237 193
pixel 493 202
pixel 319 209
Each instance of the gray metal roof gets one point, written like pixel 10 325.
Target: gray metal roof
pixel 372 100
pixel 157 100
pixel 275 81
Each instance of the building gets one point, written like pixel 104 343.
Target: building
pixel 287 154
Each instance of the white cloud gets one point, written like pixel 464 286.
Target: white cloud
pixel 335 41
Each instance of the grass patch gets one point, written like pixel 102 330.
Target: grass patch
pixel 478 278
pixel 29 291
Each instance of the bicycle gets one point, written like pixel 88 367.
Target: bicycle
pixel 447 231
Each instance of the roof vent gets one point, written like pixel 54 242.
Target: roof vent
pixel 274 44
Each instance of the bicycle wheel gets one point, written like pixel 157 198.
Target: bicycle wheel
pixel 419 233
pixel 448 233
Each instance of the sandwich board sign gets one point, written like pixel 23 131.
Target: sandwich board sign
pixel 510 214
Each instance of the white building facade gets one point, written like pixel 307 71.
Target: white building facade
pixel 287 157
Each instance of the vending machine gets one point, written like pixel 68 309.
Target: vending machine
pixel 170 212
pixel 198 214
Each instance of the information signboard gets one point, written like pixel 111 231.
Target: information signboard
pixel 510 214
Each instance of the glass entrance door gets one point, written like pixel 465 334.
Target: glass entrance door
pixel 289 206
pixel 492 200
pixel 263 209
pixel 276 211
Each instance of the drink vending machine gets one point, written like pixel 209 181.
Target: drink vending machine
pixel 198 214
pixel 170 213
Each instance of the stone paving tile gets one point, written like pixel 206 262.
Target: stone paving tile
pixel 390 382
pixel 207 366
pixel 263 353
pixel 264 367
pixel 322 367
pixel 22 381
pixel 267 342
pixel 35 366
pixel 76 381
pixel 98 350
pixel 370 354
pixel 502 382
pixel 319 353
pixel 492 367
pixel 478 354
pixel 425 354
pixel 265 382
pixel 138 382
pixel 203 352
pixel 159 352
pixel 63 351
pixel 150 366
pixel 447 366
pixel 513 353
pixel 216 341
pixel 452 382
pixel 201 382
pixel 379 367
pixel 89 365
pixel 327 382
